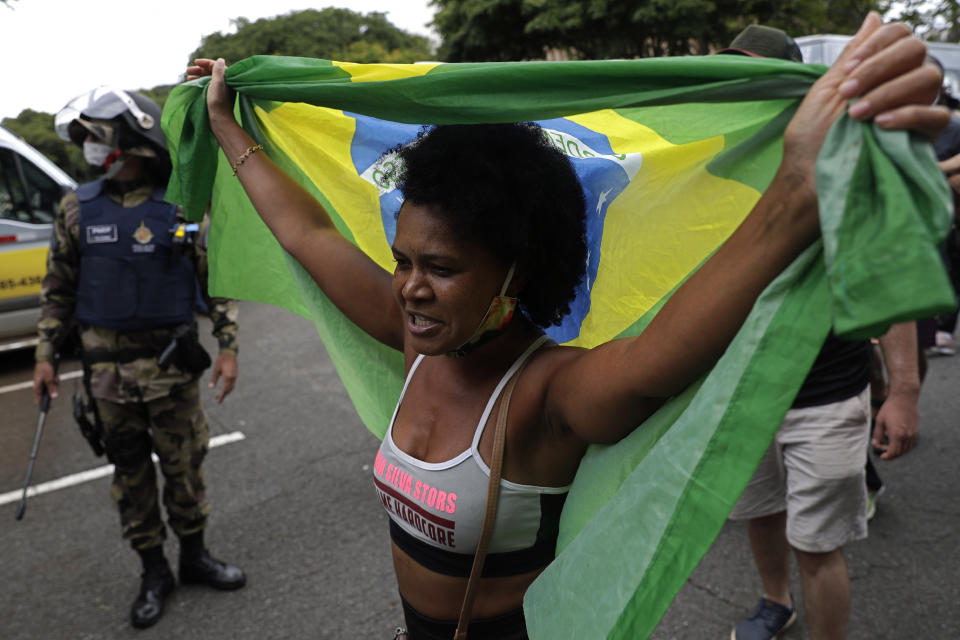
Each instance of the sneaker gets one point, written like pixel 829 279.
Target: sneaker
pixel 766 621
pixel 945 345
pixel 872 497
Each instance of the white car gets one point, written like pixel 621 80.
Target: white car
pixel 30 189
pixel 825 49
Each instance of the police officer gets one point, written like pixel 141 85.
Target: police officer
pixel 129 272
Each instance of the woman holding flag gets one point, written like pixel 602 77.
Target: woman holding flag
pixel 489 249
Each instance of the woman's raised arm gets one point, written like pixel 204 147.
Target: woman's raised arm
pixel 602 394
pixel 359 287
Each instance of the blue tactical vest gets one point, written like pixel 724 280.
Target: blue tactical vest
pixel 130 278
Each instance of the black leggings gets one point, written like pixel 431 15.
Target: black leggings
pixel 509 626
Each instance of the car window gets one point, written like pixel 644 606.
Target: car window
pixel 12 201
pixel 44 193
pixel 27 194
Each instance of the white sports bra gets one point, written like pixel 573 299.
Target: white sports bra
pixel 440 505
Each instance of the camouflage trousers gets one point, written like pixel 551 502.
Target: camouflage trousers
pixel 175 428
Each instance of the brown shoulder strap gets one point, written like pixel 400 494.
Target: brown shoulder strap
pixel 490 513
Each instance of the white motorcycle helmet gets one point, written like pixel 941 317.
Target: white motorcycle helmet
pixel 121 120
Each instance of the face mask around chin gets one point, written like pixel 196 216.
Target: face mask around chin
pixel 498 316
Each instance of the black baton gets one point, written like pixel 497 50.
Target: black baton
pixel 44 407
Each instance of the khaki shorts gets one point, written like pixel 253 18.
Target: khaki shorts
pixel 814 470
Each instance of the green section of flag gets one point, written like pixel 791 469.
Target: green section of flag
pixel 371 372
pixel 879 180
pixel 643 512
pixel 471 93
pixel 664 492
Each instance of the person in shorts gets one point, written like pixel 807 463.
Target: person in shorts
pixel 809 493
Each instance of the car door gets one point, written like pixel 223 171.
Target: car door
pixel 29 194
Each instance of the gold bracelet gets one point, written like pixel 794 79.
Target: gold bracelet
pixel 243 156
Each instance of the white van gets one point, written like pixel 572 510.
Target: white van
pixel 30 189
pixel 824 49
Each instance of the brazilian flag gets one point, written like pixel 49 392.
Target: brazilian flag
pixel 672 154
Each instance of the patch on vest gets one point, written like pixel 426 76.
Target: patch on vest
pixel 143 235
pixel 101 233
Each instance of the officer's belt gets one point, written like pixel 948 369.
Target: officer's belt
pixel 121 356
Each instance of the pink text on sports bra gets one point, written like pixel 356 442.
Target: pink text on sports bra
pixel 420 492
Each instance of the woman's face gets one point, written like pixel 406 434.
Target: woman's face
pixel 443 285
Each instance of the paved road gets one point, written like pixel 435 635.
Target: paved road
pixel 293 505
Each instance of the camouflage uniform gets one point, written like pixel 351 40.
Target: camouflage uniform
pixel 142 407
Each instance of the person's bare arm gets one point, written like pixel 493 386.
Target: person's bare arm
pixel 359 287
pixel 951 170
pixel 604 393
pixel 898 418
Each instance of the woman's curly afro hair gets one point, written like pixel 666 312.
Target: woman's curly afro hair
pixel 506 188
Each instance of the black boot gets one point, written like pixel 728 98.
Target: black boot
pixel 156 583
pixel 197 566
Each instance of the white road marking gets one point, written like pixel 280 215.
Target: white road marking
pixel 21 344
pixel 99 472
pixel 69 375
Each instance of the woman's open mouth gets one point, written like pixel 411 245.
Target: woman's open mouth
pixel 420 325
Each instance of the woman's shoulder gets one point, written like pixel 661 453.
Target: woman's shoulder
pixel 552 357
pixel 542 368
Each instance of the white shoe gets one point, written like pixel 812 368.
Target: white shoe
pixel 945 344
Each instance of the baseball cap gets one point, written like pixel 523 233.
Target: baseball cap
pixel 759 41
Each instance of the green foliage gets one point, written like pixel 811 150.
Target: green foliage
pixel 932 20
pixel 333 34
pixel 36 128
pixel 477 30
pixel 158 94
pixel 808 17
pixel 488 30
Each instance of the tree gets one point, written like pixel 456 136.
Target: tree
pixel 36 129
pixel 932 20
pixel 333 34
pixel 808 17
pixel 491 30
pixel 475 30
pixel 158 94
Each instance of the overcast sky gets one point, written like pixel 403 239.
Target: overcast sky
pixel 53 50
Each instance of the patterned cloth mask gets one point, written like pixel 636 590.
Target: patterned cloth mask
pixel 498 316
